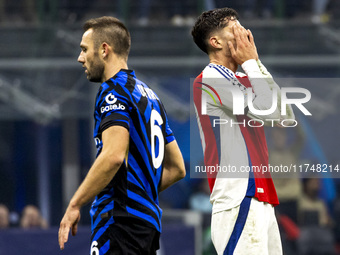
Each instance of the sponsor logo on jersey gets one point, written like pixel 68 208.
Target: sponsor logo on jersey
pixel 110 99
pixel 112 107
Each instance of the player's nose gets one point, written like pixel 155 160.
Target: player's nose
pixel 81 59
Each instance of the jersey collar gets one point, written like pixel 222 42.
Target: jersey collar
pixel 124 71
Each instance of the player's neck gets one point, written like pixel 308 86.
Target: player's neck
pixel 228 62
pixel 113 67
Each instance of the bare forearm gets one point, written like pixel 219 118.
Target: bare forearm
pixel 174 168
pixel 98 177
pixel 168 179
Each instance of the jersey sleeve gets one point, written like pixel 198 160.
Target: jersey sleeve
pixel 272 85
pixel 263 99
pixel 113 110
pixel 169 134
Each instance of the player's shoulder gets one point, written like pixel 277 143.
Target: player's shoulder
pixel 120 84
pixel 108 87
pixel 143 90
pixel 110 93
pixel 218 71
pixel 123 79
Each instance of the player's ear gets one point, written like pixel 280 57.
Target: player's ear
pixel 104 49
pixel 215 42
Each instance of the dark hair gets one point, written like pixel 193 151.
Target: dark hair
pixel 209 22
pixel 112 31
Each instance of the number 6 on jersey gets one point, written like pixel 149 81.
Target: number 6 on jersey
pixel 155 122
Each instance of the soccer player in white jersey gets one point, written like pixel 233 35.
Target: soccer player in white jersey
pixel 243 219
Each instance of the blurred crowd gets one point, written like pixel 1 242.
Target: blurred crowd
pixel 304 218
pixel 150 12
pixel 30 218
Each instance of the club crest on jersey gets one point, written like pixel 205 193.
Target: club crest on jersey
pixel 110 99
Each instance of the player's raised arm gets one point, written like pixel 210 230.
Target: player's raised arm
pixel 273 85
pixel 174 169
pixel 115 143
pixel 261 80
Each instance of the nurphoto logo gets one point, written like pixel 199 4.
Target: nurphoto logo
pixel 239 98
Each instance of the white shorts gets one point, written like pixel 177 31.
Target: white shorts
pixel 250 228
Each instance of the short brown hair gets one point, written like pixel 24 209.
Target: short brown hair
pixel 112 31
pixel 209 22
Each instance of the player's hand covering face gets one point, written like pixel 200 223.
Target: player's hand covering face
pixel 243 47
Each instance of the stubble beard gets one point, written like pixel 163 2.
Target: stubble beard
pixel 97 70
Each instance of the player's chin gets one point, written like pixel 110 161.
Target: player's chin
pixel 93 79
pixel 89 76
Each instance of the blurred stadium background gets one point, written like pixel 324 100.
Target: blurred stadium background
pixel 46 108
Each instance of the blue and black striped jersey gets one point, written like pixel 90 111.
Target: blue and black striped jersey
pixel 133 192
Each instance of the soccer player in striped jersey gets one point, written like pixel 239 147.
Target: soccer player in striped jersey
pixel 243 220
pixel 137 154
